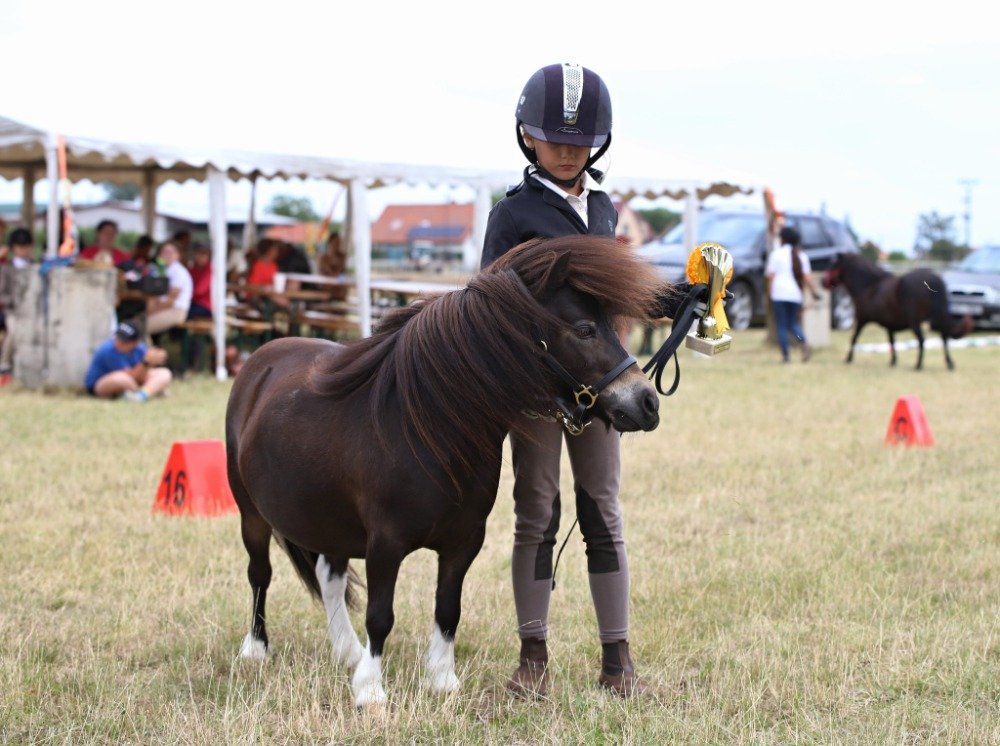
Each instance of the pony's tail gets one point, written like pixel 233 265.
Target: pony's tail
pixel 942 321
pixel 304 562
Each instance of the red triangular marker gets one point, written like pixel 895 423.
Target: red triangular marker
pixel 194 481
pixel 908 425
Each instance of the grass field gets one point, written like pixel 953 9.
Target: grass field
pixel 794 580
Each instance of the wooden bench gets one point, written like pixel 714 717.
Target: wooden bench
pixel 192 329
pixel 247 332
pixel 333 325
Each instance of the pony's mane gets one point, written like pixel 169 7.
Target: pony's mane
pixel 615 275
pixel 465 364
pixel 864 269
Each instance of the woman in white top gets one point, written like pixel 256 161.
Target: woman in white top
pixel 788 275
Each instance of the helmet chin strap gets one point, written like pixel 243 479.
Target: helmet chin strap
pixel 532 156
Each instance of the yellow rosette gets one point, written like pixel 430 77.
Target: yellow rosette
pixel 698 272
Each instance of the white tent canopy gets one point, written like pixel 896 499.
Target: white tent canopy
pixel 30 153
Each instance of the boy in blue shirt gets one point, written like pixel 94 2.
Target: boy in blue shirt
pixel 124 366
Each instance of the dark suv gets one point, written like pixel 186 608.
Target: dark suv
pixel 742 232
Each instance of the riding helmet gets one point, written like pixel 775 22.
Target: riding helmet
pixel 566 104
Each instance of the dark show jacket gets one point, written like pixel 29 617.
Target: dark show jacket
pixel 532 210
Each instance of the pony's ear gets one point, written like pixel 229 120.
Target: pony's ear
pixel 558 272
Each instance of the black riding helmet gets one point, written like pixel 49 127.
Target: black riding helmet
pixel 566 104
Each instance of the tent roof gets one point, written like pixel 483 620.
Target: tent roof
pixel 23 146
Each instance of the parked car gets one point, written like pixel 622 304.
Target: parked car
pixel 974 287
pixel 742 232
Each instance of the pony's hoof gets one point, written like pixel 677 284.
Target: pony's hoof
pixel 370 697
pixel 253 649
pixel 442 682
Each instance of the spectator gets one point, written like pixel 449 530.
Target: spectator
pixel 140 259
pixel 21 248
pixel 133 270
pixel 333 263
pixel 170 310
pixel 789 275
pixel 104 251
pixel 265 266
pixel 3 244
pixel 293 259
pixel 124 366
pixel 201 278
pixel 182 240
pixel 236 262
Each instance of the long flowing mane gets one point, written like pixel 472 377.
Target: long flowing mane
pixel 865 271
pixel 465 364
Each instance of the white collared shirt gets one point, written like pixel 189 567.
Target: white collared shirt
pixel 579 204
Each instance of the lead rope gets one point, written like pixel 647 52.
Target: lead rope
pixel 565 541
pixel 687 312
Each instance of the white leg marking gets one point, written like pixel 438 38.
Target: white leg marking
pixel 346 646
pixel 253 649
pixel 441 663
pixel 366 684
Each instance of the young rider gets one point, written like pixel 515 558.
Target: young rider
pixel 563 114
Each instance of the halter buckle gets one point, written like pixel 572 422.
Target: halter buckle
pixel 585 392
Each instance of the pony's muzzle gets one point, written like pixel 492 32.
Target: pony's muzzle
pixel 631 404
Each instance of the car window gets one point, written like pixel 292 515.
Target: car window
pixel 985 260
pixel 730 230
pixel 813 235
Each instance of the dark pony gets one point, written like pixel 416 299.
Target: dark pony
pixel 378 448
pixel 896 302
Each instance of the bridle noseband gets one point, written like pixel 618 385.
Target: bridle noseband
pixel 574 418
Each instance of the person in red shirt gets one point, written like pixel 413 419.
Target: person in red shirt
pixel 266 265
pixel 105 251
pixel 201 275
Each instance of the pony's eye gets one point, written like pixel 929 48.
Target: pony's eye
pixel 586 329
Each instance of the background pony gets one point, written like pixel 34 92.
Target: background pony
pixel 896 302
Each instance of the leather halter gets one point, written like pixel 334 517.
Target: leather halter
pixel 574 418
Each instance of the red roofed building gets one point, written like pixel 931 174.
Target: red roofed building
pixel 631 224
pixel 413 231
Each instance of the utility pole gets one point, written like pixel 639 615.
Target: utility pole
pixel 967 201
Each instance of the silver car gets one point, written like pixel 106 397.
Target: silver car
pixel 974 287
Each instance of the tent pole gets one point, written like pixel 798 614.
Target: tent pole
pixel 28 201
pixel 148 202
pixel 484 199
pixel 217 231
pixel 691 219
pixel 52 212
pixel 250 227
pixel 361 241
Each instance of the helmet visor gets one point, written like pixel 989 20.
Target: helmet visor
pixel 565 136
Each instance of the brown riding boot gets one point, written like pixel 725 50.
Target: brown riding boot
pixel 531 679
pixel 617 672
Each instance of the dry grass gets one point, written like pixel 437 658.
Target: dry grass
pixel 793 579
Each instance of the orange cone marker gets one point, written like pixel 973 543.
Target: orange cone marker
pixel 908 425
pixel 194 481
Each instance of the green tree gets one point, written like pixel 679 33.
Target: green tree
pixel 299 208
pixel 871 251
pixel 121 192
pixel 936 236
pixel 660 219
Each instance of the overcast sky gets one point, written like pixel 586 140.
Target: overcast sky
pixel 873 110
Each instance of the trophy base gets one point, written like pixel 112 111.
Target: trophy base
pixel 707 346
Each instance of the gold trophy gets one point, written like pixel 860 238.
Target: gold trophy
pixel 711 264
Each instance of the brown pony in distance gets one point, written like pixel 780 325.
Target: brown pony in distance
pixel 393 443
pixel 896 302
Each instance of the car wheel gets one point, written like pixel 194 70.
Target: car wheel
pixel 841 310
pixel 739 308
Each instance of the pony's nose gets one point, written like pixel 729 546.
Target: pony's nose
pixel 650 404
